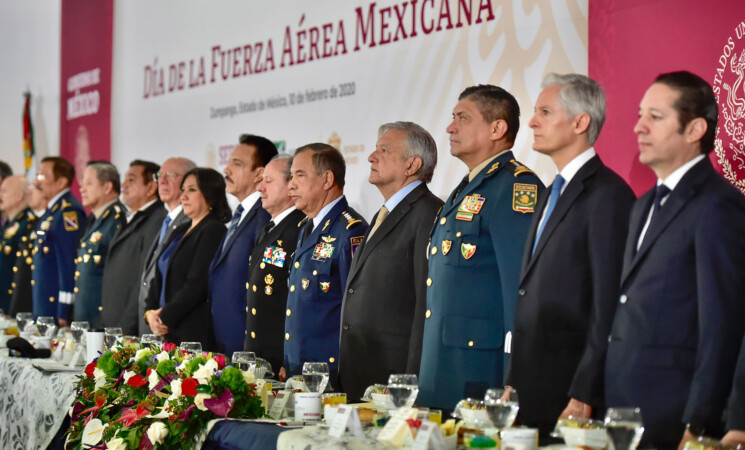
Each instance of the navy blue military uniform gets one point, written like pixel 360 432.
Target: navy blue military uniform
pixel 317 280
pixel 92 251
pixel 474 267
pixel 53 270
pixel 14 237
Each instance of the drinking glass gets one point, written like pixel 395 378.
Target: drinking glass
pixel 263 369
pixel 245 361
pixel 78 329
pixel 22 319
pixel 316 376
pixel 154 340
pixel 111 336
pixel 45 325
pixel 191 347
pixel 403 389
pixel 624 427
pixel 501 407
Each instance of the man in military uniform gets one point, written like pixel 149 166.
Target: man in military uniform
pixel 270 264
pixel 475 252
pixel 329 237
pixel 58 234
pixel 128 249
pixel 21 299
pixel 100 193
pixel 14 205
pixel 230 264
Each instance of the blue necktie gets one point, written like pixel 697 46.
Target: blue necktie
pixel 164 228
pixel 233 225
pixel 660 195
pixel 555 192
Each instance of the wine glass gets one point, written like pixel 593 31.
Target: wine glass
pixel 316 376
pixel 22 319
pixel 191 347
pixel 624 427
pixel 403 389
pixel 45 325
pixel 153 340
pixel 501 407
pixel 78 329
pixel 111 336
pixel 245 361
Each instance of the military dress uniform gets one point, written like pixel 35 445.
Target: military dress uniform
pixel 475 252
pixel 266 289
pixel 89 264
pixel 317 280
pixel 21 298
pixel 15 235
pixel 53 270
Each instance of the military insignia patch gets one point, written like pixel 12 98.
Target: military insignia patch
pixel 493 167
pixel 45 225
pixel 70 219
pixel 11 230
pixel 106 214
pixel 446 245
pixel 325 286
pixel 322 252
pixel 326 225
pixel 355 242
pixel 95 237
pixel 269 279
pixel 467 250
pixel 472 204
pixel 275 256
pixel 305 283
pixel 524 197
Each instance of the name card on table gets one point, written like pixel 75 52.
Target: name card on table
pixel 429 436
pixel 278 407
pixel 396 431
pixel 346 417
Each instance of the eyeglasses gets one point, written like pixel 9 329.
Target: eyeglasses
pixel 164 175
pixel 41 176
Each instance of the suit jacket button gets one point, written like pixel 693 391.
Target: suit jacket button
pixel 287 336
pixel 288 312
pixel 351 291
pixel 253 311
pixel 610 338
pixel 428 314
pixel 429 281
pixel 521 292
pixel 100 308
pixel 253 335
pixel 623 299
pixel 346 326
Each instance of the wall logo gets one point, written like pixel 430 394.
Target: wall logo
pixel 334 141
pixel 729 88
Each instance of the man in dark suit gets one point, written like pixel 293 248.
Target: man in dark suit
pixel 736 413
pixel 571 263
pixel 382 317
pixel 169 180
pixel 14 205
pixel 100 194
pixel 22 298
pixel 270 264
pixel 328 240
pixel 127 251
pixel 230 265
pixel 475 251
pixel 677 329
pixel 57 238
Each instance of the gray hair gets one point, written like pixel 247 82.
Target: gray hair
pixel 287 170
pixel 418 143
pixel 106 172
pixel 580 94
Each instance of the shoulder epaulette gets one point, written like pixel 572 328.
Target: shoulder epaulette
pixel 517 168
pixel 351 220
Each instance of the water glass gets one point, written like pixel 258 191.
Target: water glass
pixel 23 319
pixel 403 389
pixel 46 326
pixel 245 361
pixel 78 329
pixel 191 347
pixel 316 376
pixel 502 407
pixel 624 427
pixel 111 336
pixel 154 340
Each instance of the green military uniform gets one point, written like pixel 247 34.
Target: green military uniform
pixel 15 236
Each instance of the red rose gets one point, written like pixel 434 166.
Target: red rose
pixel 188 387
pixel 90 367
pixel 169 346
pixel 137 380
pixel 220 360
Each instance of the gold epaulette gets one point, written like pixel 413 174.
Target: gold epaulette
pixel 517 168
pixel 351 220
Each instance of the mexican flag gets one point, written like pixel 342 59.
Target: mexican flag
pixel 29 153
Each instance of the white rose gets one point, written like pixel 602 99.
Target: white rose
pixel 116 444
pixel 206 371
pixel 199 401
pixel 141 352
pixel 162 356
pixel 127 375
pixel 175 389
pixel 153 378
pixel 157 433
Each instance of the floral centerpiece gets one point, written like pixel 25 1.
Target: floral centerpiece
pixel 142 397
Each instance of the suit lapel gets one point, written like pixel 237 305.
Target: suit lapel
pixel 242 226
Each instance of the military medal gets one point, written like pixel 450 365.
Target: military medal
pixel 323 250
pixel 524 197
pixel 86 258
pixel 95 237
pixel 467 250
pixel 446 244
pixel 269 279
pixel 11 231
pixel 275 256
pixel 306 283
pixel 96 259
pixel 45 225
pixel 325 286
pixel 470 206
pixel 7 249
pixel 268 290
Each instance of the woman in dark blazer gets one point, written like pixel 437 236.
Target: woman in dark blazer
pixel 177 305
